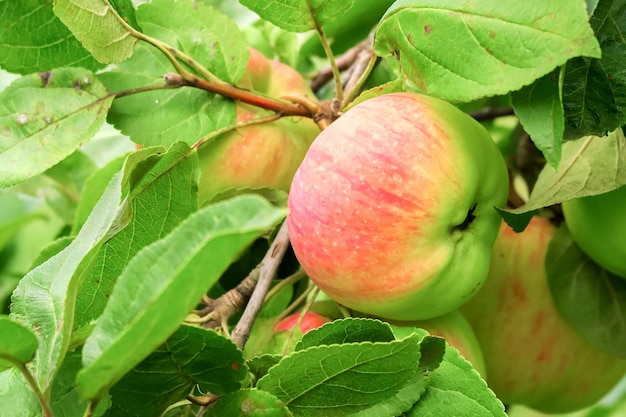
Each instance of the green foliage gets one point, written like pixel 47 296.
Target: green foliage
pixel 17 344
pixel 46 117
pixel 34 39
pixel 105 252
pixel 593 301
pixel 497 49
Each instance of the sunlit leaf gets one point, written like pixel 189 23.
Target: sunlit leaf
pixel 33 39
pixel 45 117
pixel 462 51
pixel 97 26
pixel 299 15
pixel 163 282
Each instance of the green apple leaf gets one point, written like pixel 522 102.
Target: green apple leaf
pixel 540 110
pixel 45 117
pixel 273 42
pixel 64 398
pixel 16 397
pixel 18 344
pixel 200 31
pixel 260 365
pixel 249 402
pixel 63 184
pixel 341 380
pixel 456 389
pixel 162 117
pixel 98 27
pixel 161 186
pixel 163 282
pixel 462 51
pixel 299 15
pixel 192 355
pixel 347 29
pixel 594 90
pixel 590 298
pixel 14 214
pixel 44 299
pixel 93 189
pixel 589 166
pixel 349 330
pixel 33 39
pixel 127 12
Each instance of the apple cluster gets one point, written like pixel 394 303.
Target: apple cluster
pixel 392 214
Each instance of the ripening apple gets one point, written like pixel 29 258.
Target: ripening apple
pixel 391 212
pixel 533 356
pixel 307 322
pixel 284 339
pixel 262 155
pixel 456 330
pixel 598 225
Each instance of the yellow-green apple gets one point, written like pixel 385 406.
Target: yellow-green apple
pixel 391 212
pixel 262 155
pixel 598 225
pixel 455 329
pixel 533 355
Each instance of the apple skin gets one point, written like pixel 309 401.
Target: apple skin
pixel 310 321
pixel 598 225
pixel 456 330
pixel 533 356
pixel 378 208
pixel 262 155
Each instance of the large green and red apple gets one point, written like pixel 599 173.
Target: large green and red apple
pixel 392 211
pixel 263 155
pixel 533 356
pixel 598 225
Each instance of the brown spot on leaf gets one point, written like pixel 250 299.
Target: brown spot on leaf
pixel 45 77
pixel 427 29
pixel 235 366
pixel 492 34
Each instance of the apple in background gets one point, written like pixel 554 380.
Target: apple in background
pixel 533 356
pixel 263 155
pixel 284 339
pixel 309 322
pixel 391 212
pixel 455 329
pixel 598 225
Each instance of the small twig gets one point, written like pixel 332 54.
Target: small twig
pixel 344 62
pixel 221 309
pixel 491 113
pixel 363 65
pixel 267 270
pixel 282 107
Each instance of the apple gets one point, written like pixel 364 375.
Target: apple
pixel 457 332
pixel 284 339
pixel 391 212
pixel 598 225
pixel 310 321
pixel 263 155
pixel 533 356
